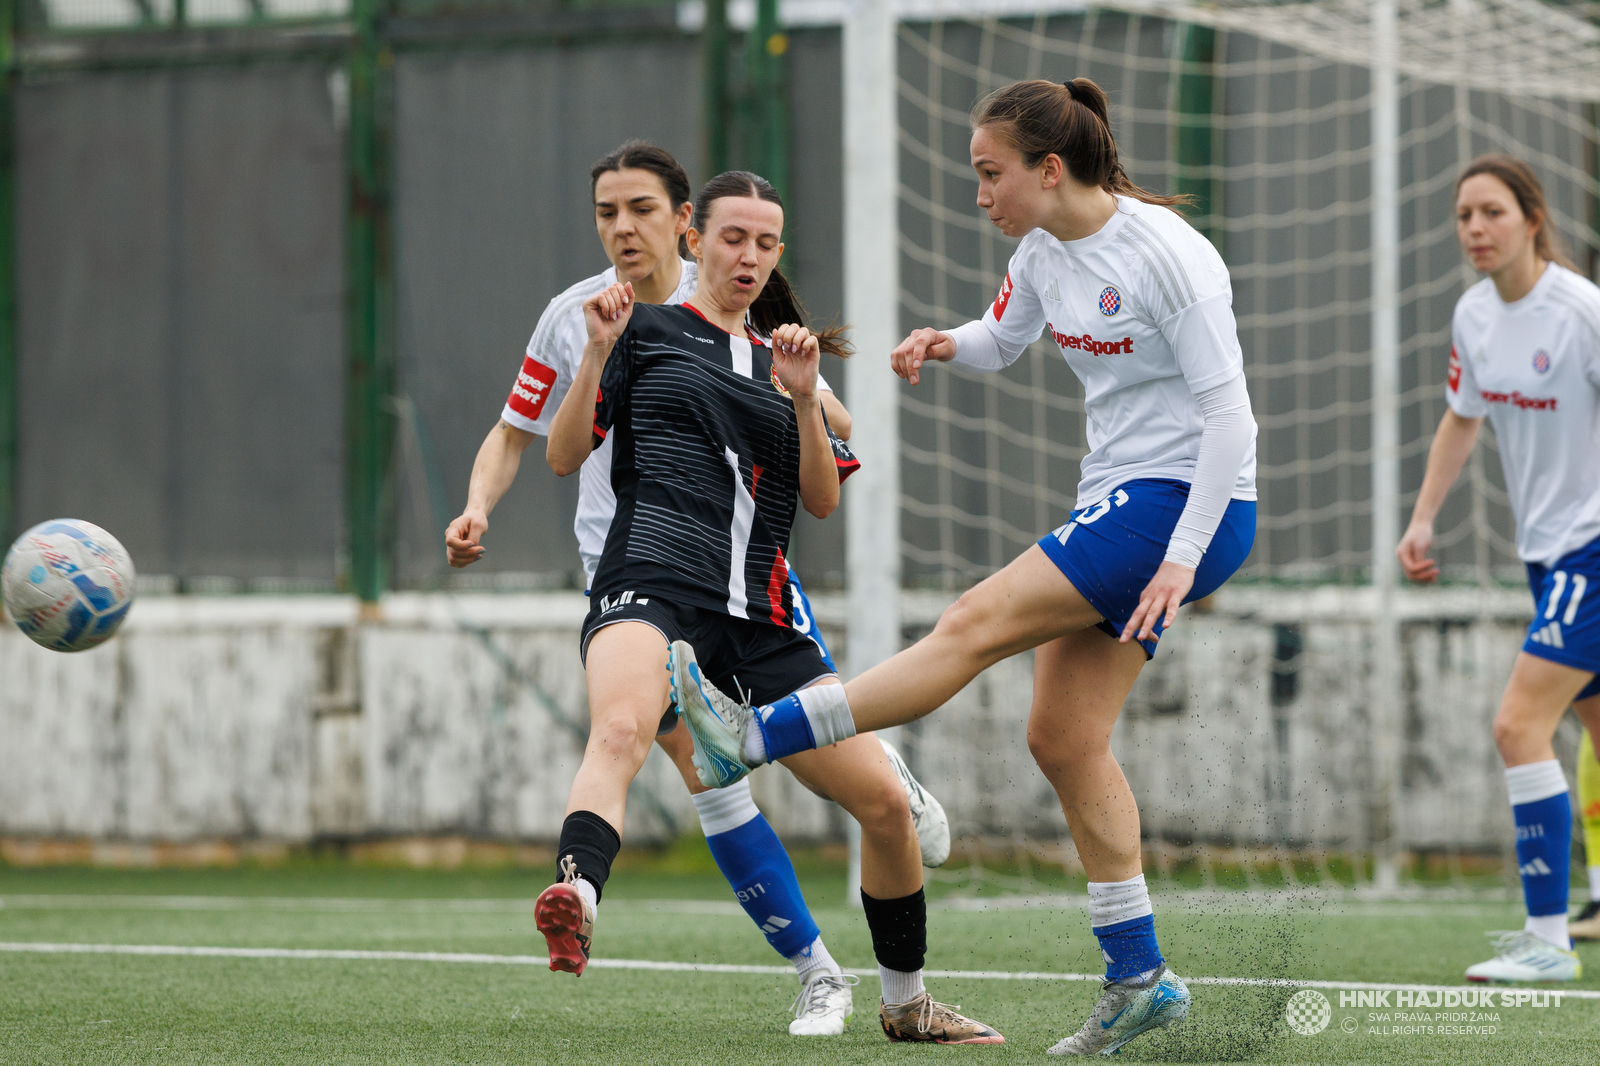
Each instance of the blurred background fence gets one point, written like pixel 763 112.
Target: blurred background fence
pixel 273 264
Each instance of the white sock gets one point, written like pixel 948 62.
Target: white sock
pixel 814 958
pixel 755 747
pixel 723 810
pixel 1111 902
pixel 1551 928
pixel 586 890
pixel 1535 781
pixel 899 987
pixel 828 712
pixel 1594 883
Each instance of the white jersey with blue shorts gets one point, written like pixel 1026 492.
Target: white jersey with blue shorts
pixel 549 367
pixel 1532 367
pixel 1142 311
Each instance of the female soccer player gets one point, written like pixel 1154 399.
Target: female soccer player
pixel 716 435
pixel 1139 303
pixel 642 209
pixel 1525 352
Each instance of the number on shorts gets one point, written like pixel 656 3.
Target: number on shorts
pixel 1580 585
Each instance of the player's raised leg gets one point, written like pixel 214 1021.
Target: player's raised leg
pixel 1586 925
pixel 1535 699
pixel 627 697
pixel 1079 684
pixel 1026 604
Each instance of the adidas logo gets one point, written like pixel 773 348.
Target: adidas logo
pixel 1052 293
pixel 774 924
pixel 1536 868
pixel 1550 634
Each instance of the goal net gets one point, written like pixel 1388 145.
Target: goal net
pixel 1264 112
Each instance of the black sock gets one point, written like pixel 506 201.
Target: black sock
pixel 591 843
pixel 899 930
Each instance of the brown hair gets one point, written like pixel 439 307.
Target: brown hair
pixel 776 304
pixel 1068 119
pixel 1519 177
pixel 642 155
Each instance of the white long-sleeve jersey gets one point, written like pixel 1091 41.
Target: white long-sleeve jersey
pixel 1533 368
pixel 548 368
pixel 1143 313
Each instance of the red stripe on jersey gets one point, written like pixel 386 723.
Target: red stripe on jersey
pixel 846 466
pixel 1455 370
pixel 755 478
pixel 1004 297
pixel 780 578
pixel 753 336
pixel 532 388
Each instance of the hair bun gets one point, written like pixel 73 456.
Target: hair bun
pixel 1073 90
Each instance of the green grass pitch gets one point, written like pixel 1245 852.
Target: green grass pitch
pixel 111 1009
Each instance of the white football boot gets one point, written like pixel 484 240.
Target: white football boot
pixel 1523 956
pixel 824 1005
pixel 927 813
pixel 1124 1011
pixel 716 723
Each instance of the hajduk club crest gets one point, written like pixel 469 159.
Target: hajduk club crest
pixel 1110 301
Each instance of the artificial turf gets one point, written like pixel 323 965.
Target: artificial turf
pixel 98 1009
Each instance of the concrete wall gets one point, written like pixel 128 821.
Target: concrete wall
pixel 283 719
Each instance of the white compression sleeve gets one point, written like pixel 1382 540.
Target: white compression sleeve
pixel 979 349
pixel 1230 427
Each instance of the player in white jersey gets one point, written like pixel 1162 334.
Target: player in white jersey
pixel 1139 304
pixel 642 209
pixel 1525 353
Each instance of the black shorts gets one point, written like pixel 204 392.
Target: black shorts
pixel 747 660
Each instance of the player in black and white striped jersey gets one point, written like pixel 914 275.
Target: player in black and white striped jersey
pixel 714 437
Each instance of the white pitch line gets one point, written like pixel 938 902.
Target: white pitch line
pixel 376 905
pixel 691 967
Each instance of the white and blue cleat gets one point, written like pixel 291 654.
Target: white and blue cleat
pixel 1125 1011
pixel 716 723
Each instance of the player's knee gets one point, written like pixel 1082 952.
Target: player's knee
pixel 884 805
pixel 622 736
pixel 1509 731
pixel 965 623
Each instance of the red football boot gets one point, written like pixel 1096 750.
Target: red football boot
pixel 566 920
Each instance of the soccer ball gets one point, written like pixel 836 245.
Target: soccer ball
pixel 68 584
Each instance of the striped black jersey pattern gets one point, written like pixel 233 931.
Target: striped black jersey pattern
pixel 705 464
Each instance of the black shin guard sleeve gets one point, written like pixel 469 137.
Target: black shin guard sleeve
pixel 592 844
pixel 899 930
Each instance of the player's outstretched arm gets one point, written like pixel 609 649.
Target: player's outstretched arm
pixel 796 355
pixel 492 474
pixel 923 345
pixel 1452 445
pixel 605 316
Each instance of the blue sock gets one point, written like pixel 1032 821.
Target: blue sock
pixel 752 858
pixel 785 729
pixel 1129 947
pixel 1544 852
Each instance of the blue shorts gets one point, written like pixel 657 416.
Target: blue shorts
pixel 1111 550
pixel 1566 615
pixel 805 623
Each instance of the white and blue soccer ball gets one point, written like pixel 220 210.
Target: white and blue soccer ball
pixel 67 584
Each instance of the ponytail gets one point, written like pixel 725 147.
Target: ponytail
pixel 776 304
pixel 1067 119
